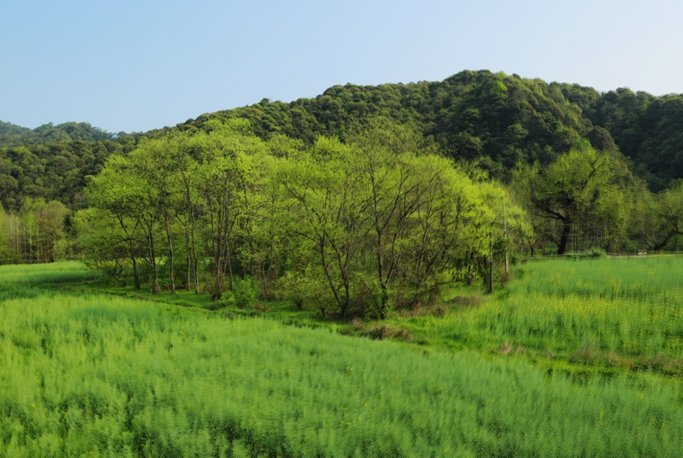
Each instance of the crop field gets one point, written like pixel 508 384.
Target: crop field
pixel 90 374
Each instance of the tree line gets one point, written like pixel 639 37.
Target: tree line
pixel 38 233
pixel 383 219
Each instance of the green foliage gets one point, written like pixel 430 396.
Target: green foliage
pixel 389 223
pixel 502 119
pixel 54 171
pixel 647 129
pixel 244 292
pixel 380 221
pixel 582 194
pixel 12 135
pixel 657 219
pixel 36 234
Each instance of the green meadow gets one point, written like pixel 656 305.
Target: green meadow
pixel 59 272
pixel 87 373
pixel 604 315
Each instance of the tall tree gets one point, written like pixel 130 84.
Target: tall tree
pixel 570 190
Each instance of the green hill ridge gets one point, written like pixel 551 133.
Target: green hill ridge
pixel 494 118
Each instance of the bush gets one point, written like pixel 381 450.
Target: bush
pixel 245 291
pixel 594 253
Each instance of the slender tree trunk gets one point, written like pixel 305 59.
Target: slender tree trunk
pixel 189 259
pixel 342 305
pixel 228 257
pixel 192 231
pixel 136 278
pixel 196 265
pixel 491 265
pixel 170 250
pixel 153 263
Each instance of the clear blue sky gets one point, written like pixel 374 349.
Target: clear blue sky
pixel 137 65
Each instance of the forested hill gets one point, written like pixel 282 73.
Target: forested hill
pixel 53 171
pixel 13 135
pixel 52 161
pixel 498 119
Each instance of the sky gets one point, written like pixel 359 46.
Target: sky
pixel 137 65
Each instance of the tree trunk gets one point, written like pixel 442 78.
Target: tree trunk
pixel 188 280
pixel 156 289
pixel 661 245
pixel 564 239
pixel 491 266
pixel 136 278
pixel 343 305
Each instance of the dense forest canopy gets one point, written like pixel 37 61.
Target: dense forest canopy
pixel 496 118
pixel 13 135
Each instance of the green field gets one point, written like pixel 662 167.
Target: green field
pixel 602 315
pixel 84 373
pixel 60 272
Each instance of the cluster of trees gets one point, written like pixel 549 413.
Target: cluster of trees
pixel 647 129
pixel 37 233
pixel 379 221
pixel 297 198
pixel 588 198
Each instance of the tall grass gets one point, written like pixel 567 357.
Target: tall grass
pixel 626 312
pixel 629 306
pixel 58 272
pixel 642 279
pixel 102 376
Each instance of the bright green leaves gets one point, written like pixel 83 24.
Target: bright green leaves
pixel 376 222
pixel 390 225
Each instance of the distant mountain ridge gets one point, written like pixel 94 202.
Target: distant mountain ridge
pixel 13 135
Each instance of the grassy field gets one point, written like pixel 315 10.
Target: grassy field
pixel 60 272
pixel 91 374
pixel 607 315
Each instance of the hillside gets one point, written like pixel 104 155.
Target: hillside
pixel 497 119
